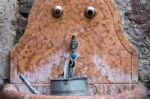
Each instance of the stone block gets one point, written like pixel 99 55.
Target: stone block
pixel 7 35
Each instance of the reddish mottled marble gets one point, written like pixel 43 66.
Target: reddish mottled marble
pixel 138 92
pixel 105 55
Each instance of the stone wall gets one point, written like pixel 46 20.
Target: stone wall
pixel 25 7
pixel 135 16
pixel 8 10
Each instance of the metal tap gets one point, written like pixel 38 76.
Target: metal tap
pixel 73 44
pixel 69 65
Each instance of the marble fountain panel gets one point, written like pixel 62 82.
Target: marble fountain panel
pixel 104 54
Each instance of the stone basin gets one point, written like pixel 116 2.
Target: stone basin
pixel 105 56
pixel 12 91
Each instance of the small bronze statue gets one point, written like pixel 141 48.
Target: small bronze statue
pixel 69 65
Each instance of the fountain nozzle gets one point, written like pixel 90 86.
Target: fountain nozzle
pixel 73 44
pixel 69 65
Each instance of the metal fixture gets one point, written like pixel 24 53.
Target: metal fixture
pixel 57 11
pixel 29 86
pixel 73 44
pixel 68 68
pixel 90 12
pixel 70 85
pixel 69 65
pixel 75 86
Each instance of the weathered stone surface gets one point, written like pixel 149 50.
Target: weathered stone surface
pixel 136 19
pixel 102 89
pixel 22 22
pixel 8 9
pixel 105 56
pixel 137 92
pixel 25 7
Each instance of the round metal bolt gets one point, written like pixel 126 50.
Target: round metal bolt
pixel 90 12
pixel 57 11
